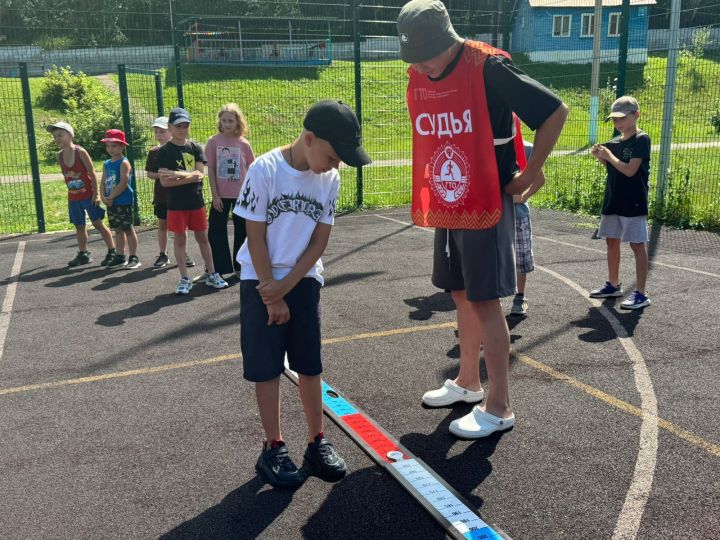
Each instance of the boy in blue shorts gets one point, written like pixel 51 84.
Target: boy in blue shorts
pixel 625 205
pixel 83 196
pixel 288 199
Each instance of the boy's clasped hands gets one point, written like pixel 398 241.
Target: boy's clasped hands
pixel 600 152
pixel 272 293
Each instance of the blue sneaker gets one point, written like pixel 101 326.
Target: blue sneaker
pixel 607 291
pixel 636 300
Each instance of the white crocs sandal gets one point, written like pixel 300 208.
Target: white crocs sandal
pixel 478 424
pixel 450 393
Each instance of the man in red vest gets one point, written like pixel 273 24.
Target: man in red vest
pixel 462 98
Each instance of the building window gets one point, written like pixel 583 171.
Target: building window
pixel 614 26
pixel 561 26
pixel 588 25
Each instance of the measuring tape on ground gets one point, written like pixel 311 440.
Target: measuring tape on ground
pixel 441 501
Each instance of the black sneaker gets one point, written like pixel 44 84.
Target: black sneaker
pixel 277 467
pixel 161 261
pixel 133 262
pixel 83 257
pixel 189 261
pixel 324 461
pixel 109 257
pixel 118 261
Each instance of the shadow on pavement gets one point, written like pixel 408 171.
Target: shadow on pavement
pixel 244 513
pixel 599 331
pixel 426 306
pixel 465 471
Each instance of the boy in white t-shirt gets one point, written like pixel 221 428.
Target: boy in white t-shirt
pixel 288 200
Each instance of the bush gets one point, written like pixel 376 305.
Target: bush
pixel 64 90
pixel 55 42
pixel 678 201
pixel 89 108
pixel 715 118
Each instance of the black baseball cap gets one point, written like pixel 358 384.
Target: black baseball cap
pixel 336 123
pixel 178 116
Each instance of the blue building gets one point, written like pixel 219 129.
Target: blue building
pixel 562 31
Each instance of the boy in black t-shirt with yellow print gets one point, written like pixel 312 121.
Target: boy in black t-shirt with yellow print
pixel 625 205
pixel 181 165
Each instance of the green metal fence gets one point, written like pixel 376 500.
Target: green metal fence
pixel 276 58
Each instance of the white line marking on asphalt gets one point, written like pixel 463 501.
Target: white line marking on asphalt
pixel 667 265
pixel 636 498
pixel 628 522
pixel 10 296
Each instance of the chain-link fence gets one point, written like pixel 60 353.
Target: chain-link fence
pixel 276 57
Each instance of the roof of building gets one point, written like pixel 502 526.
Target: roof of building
pixel 586 3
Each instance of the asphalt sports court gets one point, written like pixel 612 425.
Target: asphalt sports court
pixel 125 414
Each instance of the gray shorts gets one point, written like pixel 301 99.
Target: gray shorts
pixel 627 229
pixel 524 260
pixel 481 262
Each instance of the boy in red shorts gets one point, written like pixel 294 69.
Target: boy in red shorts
pixel 181 165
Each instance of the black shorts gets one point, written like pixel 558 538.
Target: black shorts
pixel 481 261
pixel 264 347
pixel 161 211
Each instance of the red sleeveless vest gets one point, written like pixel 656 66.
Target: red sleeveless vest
pixel 77 178
pixel 455 175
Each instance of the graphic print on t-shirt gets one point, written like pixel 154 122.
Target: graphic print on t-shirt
pixel 187 163
pixel 74 183
pixel 228 160
pixel 248 199
pixel 297 203
pixel 111 180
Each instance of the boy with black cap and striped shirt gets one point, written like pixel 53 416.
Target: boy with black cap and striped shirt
pixel 288 200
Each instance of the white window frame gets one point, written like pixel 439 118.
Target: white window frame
pixel 591 25
pixel 615 15
pixel 569 26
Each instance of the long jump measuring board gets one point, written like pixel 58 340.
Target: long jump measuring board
pixel 434 494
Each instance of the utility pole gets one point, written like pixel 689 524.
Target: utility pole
pixel 595 77
pixel 668 109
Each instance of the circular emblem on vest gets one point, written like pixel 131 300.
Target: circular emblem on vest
pixel 449 179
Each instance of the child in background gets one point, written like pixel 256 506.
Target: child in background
pixel 228 155
pixel 83 196
pixel 118 198
pixel 162 135
pixel 181 165
pixel 288 199
pixel 524 260
pixel 625 205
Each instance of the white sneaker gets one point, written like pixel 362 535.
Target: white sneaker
pixel 183 286
pixel 215 281
pixel 478 424
pixel 450 393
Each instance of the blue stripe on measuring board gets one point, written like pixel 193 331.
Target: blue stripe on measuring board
pixel 335 402
pixel 486 533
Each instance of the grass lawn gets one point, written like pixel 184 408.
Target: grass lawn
pixel 274 101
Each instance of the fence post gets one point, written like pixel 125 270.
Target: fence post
pixel 125 105
pixel 32 147
pixel 623 52
pixel 358 89
pixel 176 53
pixel 668 110
pixel 159 94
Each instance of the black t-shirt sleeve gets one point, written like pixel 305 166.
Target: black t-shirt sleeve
pixel 151 163
pixel 165 159
pixel 199 154
pixel 529 99
pixel 641 148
